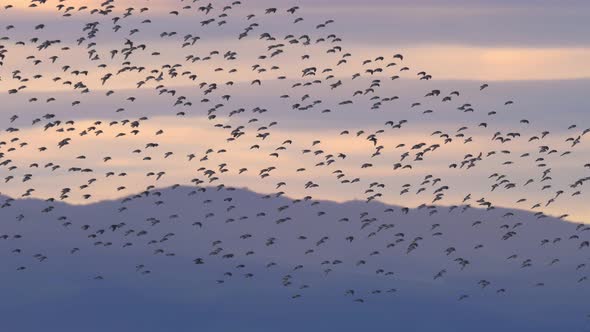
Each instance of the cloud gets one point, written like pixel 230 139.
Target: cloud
pixel 197 136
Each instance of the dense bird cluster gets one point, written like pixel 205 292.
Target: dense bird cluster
pixel 198 81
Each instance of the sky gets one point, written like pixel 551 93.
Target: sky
pixel 502 123
pixel 529 52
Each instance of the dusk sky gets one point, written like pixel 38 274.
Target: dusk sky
pixel 531 52
pixel 422 104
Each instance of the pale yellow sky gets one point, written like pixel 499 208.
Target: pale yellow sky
pixel 446 61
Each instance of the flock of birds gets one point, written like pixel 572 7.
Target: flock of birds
pixel 128 57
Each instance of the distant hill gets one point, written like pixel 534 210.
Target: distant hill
pixel 390 264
